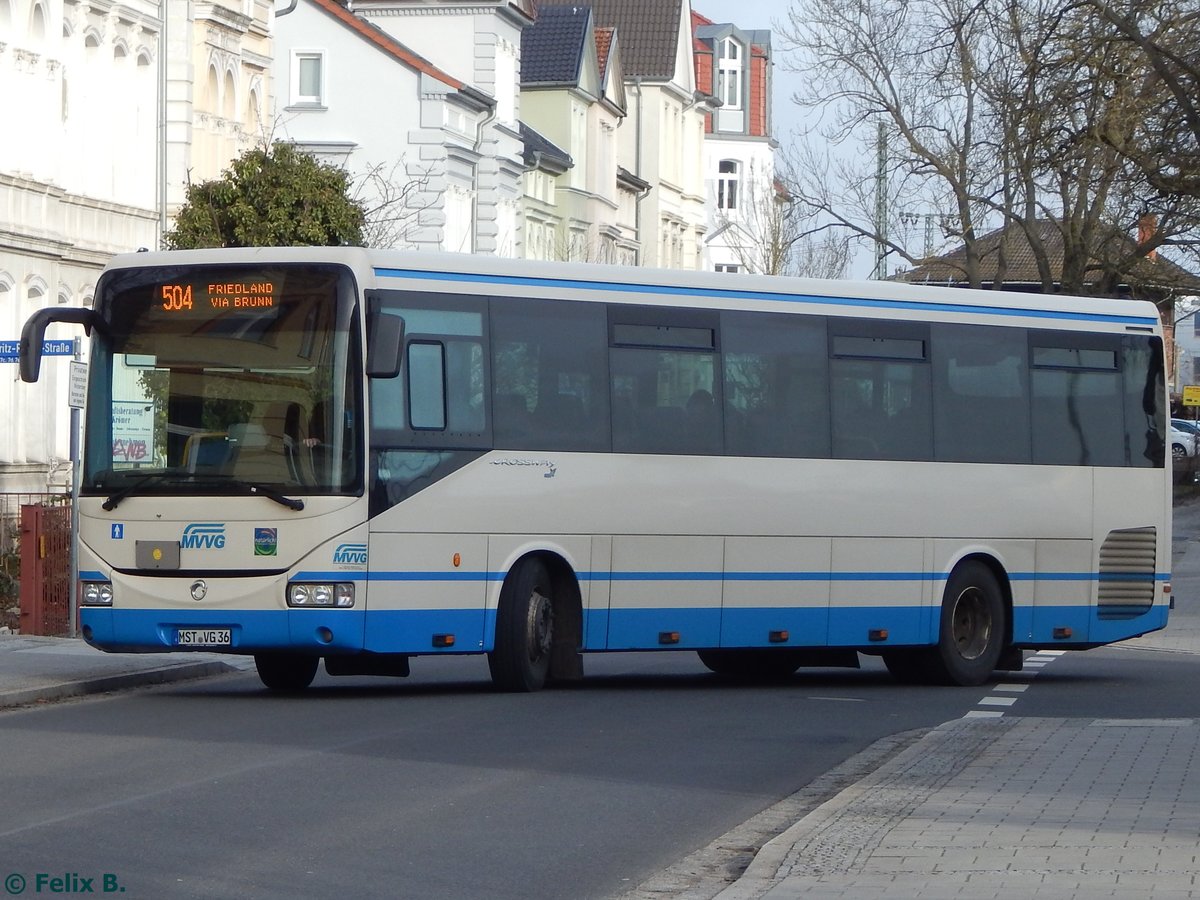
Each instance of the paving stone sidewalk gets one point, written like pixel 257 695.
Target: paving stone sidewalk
pixel 1001 808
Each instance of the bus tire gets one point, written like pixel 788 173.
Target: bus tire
pixel 286 671
pixel 520 661
pixel 752 664
pixel 972 631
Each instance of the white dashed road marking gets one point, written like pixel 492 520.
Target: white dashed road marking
pixel 1032 666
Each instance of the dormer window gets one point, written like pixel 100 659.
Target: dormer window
pixel 729 73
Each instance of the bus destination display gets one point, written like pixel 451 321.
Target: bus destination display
pixel 217 296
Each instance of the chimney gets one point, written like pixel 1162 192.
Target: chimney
pixel 1147 226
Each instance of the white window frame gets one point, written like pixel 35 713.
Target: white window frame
pixel 728 184
pixel 297 98
pixel 729 73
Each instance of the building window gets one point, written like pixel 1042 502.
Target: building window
pixel 727 267
pixel 729 73
pixel 727 184
pixel 308 78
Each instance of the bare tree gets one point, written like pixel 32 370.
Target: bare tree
pixel 769 233
pixel 993 115
pixel 574 244
pixel 1166 33
pixel 903 74
pixel 393 200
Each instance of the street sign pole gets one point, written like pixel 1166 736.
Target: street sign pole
pixel 76 401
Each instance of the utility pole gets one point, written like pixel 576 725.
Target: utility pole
pixel 879 273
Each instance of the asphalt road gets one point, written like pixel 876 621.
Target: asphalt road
pixel 434 786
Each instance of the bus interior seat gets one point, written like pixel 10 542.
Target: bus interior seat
pixel 207 452
pixel 254 458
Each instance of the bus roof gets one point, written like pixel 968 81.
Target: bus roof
pixel 495 276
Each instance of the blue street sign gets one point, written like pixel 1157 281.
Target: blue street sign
pixel 10 350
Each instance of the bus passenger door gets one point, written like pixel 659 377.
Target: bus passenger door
pixel 426 593
pixel 776 592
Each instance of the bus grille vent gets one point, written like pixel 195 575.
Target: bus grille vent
pixel 1127 567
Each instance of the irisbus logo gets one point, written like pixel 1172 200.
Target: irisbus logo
pixel 350 555
pixel 203 536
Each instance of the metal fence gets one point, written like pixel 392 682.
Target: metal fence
pixel 35 562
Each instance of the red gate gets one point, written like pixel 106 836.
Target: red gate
pixel 45 568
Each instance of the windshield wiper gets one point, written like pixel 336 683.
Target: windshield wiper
pixel 269 492
pixel 173 474
pixel 117 496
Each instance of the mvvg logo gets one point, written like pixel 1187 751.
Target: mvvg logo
pixel 350 554
pixel 203 536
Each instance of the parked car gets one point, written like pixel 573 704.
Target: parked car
pixel 1184 436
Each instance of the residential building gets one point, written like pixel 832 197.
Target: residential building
pixel 545 162
pixel 439 162
pixel 217 73
pixel 573 98
pixel 660 143
pixel 739 162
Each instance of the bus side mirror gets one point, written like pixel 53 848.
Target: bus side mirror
pixel 34 334
pixel 385 338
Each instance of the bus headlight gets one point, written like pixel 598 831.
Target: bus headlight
pixel 95 593
pixel 340 595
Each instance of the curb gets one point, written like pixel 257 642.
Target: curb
pixel 105 683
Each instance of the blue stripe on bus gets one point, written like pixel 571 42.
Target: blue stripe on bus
pixel 726 294
pixel 483 576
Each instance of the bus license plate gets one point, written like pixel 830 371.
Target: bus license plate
pixel 203 637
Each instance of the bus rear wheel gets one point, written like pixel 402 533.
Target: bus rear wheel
pixel 286 671
pixel 972 632
pixel 520 661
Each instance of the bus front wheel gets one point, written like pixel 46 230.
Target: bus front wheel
pixel 972 632
pixel 286 671
pixel 524 629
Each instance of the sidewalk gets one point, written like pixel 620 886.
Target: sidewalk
pixel 997 808
pixel 42 669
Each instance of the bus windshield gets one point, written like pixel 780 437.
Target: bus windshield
pixel 210 379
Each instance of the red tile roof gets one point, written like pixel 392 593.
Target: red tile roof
pixel 604 38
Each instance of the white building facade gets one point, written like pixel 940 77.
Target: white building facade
pixel 419 101
pixel 84 95
pixel 739 153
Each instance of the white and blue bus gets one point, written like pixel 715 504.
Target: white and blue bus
pixel 363 456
